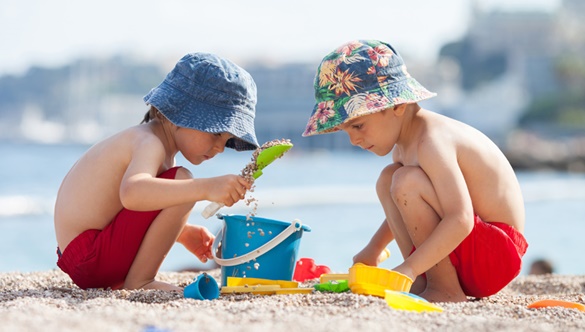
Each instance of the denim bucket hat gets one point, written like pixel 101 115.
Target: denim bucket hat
pixel 209 94
pixel 359 78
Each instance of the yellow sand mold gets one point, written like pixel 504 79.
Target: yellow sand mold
pixel 263 286
pixel 410 302
pixel 371 280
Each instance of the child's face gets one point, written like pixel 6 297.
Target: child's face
pixel 376 132
pixel 198 146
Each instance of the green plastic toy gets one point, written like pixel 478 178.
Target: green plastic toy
pixel 336 286
pixel 268 155
pixel 265 157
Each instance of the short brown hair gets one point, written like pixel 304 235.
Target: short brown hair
pixel 150 114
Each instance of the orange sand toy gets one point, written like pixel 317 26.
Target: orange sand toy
pixel 556 303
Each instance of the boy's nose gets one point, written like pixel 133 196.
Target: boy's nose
pixel 220 146
pixel 354 139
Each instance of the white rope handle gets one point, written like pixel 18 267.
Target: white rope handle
pixel 295 226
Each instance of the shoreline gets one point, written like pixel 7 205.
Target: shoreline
pixel 48 301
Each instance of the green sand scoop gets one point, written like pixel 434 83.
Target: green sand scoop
pixel 268 155
pixel 262 157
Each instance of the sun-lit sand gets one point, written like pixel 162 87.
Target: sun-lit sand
pixel 48 301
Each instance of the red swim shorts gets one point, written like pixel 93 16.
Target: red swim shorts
pixel 102 258
pixel 489 258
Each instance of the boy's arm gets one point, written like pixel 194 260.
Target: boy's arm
pixel 141 190
pixel 440 164
pixel 370 254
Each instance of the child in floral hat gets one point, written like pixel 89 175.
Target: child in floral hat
pixel 451 199
pixel 125 203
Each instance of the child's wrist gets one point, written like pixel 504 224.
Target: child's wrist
pixel 182 235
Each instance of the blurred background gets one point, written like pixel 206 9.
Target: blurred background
pixel 73 73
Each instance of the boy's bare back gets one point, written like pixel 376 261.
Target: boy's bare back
pixel 445 149
pixel 89 196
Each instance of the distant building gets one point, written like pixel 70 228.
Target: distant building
pixel 518 52
pixel 486 79
pixel 285 102
pixel 528 40
pixel 571 26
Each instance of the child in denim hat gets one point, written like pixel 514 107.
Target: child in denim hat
pixel 125 203
pixel 451 199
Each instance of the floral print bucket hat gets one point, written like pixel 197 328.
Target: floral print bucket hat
pixel 359 78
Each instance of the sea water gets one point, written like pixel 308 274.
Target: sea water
pixel 331 192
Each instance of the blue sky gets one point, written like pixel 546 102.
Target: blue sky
pixel 51 33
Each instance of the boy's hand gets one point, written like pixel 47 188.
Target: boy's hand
pixel 406 270
pixel 367 256
pixel 228 189
pixel 198 240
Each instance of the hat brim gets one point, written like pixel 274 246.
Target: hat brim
pixel 343 110
pixel 208 118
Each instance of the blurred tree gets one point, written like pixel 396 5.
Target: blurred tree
pixel 476 67
pixel 567 108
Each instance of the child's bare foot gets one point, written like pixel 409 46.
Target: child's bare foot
pixel 419 285
pixel 162 286
pixel 435 295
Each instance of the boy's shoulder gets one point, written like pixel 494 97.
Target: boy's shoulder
pixel 135 135
pixel 440 136
pixel 438 126
pixel 436 133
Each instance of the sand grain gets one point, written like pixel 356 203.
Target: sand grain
pixel 48 301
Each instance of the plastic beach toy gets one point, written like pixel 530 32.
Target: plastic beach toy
pixel 306 269
pixel 255 247
pixel 204 287
pixel 556 303
pixel 265 158
pixel 410 302
pixel 326 277
pixel 336 286
pixel 333 276
pixel 261 286
pixel 371 280
pixel 236 281
pixel 265 290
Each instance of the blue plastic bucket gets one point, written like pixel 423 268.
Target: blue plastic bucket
pixel 256 247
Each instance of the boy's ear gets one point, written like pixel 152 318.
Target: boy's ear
pixel 399 109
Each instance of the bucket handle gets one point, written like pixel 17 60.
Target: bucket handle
pixel 295 226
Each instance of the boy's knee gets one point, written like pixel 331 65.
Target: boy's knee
pixel 406 179
pixel 385 179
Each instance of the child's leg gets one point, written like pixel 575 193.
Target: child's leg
pixel 394 220
pixel 416 200
pixel 158 241
pixel 393 216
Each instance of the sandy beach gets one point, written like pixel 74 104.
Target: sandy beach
pixel 49 301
